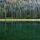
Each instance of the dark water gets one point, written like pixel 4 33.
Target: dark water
pixel 19 31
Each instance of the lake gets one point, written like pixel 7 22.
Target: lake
pixel 19 31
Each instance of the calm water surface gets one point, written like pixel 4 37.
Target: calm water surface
pixel 19 31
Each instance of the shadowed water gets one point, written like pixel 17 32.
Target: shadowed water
pixel 19 31
pixel 20 25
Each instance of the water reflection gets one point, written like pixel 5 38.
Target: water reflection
pixel 20 30
pixel 18 26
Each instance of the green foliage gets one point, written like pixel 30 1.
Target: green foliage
pixel 19 10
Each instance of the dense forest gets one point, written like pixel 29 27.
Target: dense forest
pixel 21 9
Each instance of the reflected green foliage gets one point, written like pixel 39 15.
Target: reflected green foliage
pixel 20 31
